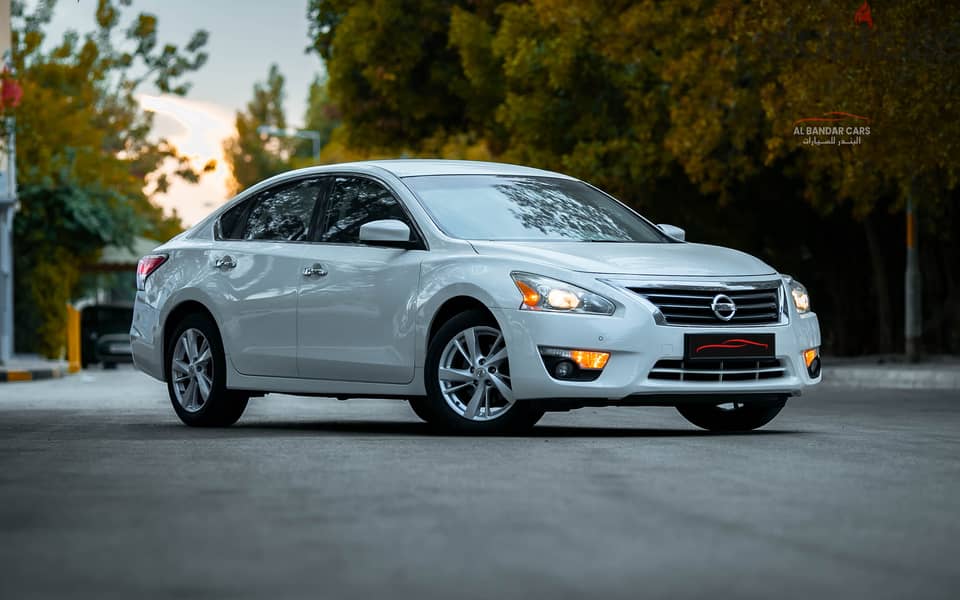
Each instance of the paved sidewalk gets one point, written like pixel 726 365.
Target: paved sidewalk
pixel 892 372
pixel 29 368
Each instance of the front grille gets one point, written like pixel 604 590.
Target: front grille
pixel 731 369
pixel 684 306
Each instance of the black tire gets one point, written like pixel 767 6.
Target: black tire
pixel 742 417
pixel 520 418
pixel 418 404
pixel 223 407
pixel 107 366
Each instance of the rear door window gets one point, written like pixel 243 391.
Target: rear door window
pixel 283 213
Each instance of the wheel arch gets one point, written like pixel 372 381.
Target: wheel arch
pixel 177 314
pixel 453 307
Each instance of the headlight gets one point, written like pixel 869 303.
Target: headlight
pixel 543 293
pixel 800 297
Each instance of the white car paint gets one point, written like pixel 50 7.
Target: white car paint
pixel 363 329
pixel 670 260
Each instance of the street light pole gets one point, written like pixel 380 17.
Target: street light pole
pixel 307 134
pixel 8 200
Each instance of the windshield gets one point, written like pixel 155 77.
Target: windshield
pixel 510 208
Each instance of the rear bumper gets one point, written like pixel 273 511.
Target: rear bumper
pixel 635 343
pixel 146 345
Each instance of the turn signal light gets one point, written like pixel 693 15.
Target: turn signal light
pixel 811 358
pixel 586 359
pixel 530 296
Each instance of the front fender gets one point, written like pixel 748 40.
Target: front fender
pixel 445 281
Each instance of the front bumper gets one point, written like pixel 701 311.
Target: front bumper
pixel 635 343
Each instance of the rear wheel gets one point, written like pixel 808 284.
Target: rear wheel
pixel 467 377
pixel 732 416
pixel 197 376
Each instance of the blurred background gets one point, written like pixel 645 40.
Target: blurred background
pixel 133 119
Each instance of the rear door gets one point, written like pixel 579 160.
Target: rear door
pixel 357 311
pixel 255 264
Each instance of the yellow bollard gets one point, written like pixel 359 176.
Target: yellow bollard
pixel 73 339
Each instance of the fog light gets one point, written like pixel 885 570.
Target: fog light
pixel 563 369
pixel 585 359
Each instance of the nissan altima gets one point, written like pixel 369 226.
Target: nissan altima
pixel 483 294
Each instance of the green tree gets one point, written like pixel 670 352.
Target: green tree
pixel 393 73
pixel 676 107
pixel 254 156
pixel 84 153
pixel 629 89
pixel 322 114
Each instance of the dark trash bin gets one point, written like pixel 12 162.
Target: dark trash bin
pixel 105 334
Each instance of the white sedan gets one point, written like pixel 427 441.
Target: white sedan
pixel 484 294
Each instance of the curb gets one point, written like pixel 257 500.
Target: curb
pixel 14 375
pixel 893 378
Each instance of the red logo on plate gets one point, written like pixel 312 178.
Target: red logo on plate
pixel 732 344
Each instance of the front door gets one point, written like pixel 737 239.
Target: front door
pixel 255 267
pixel 357 308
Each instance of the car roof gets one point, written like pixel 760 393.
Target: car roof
pixel 398 167
pixel 413 167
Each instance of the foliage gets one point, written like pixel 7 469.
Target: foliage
pixel 254 156
pixel 322 115
pixel 83 151
pixel 762 66
pixel 50 282
pixel 391 87
pixel 688 104
pixel 627 89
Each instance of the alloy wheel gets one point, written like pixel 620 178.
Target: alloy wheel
pixel 474 374
pixel 192 370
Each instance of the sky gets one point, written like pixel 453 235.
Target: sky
pixel 246 36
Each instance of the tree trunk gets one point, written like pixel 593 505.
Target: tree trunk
pixel 912 324
pixel 884 329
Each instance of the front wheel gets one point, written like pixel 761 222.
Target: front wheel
pixel 732 416
pixel 197 376
pixel 467 378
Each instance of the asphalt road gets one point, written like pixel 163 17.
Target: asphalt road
pixel 852 494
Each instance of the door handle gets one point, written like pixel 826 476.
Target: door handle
pixel 225 263
pixel 316 270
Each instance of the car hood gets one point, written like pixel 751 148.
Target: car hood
pixel 685 260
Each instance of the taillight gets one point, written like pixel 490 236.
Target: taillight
pixel 147 265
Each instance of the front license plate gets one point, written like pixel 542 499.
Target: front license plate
pixel 119 348
pixel 729 345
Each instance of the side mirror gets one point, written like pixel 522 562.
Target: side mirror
pixel 386 232
pixel 673 231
